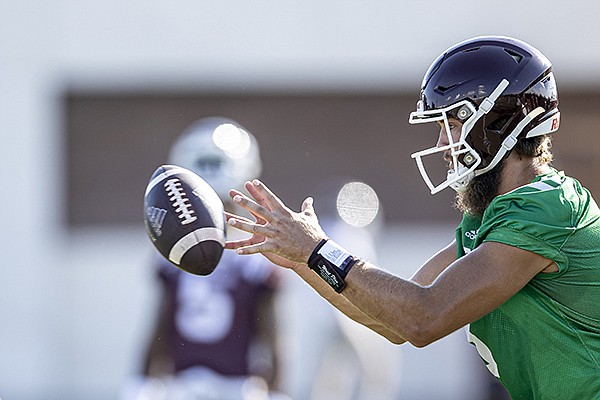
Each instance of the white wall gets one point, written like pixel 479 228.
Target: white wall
pixel 66 302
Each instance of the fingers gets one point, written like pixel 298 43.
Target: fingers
pixel 235 244
pixel 277 229
pixel 229 216
pixel 262 196
pixel 260 229
pixel 250 227
pixel 259 200
pixel 250 246
pixel 261 193
pixel 254 249
pixel 253 207
pixel 246 246
pixel 257 196
pixel 307 205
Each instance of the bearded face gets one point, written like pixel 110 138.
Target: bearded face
pixel 480 192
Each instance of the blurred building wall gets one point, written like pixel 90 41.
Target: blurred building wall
pixel 305 140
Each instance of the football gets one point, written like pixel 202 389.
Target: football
pixel 184 219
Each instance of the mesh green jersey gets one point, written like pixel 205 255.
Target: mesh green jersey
pixel 544 342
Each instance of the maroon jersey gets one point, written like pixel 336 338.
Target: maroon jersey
pixel 213 319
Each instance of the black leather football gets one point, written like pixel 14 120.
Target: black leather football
pixel 184 219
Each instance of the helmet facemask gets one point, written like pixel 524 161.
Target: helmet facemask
pixel 464 159
pixel 506 92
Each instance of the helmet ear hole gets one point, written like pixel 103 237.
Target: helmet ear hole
pixel 499 123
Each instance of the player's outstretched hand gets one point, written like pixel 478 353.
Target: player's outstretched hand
pixel 277 229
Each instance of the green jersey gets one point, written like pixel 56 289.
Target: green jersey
pixel 544 342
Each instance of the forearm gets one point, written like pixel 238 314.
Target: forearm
pixel 401 306
pixel 420 313
pixel 396 308
pixel 445 294
pixel 345 306
pixel 374 298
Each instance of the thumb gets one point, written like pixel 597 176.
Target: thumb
pixel 307 205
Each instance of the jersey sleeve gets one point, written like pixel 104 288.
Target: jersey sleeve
pixel 540 221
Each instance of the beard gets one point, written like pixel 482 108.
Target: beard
pixel 480 192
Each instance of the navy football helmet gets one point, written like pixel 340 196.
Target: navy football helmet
pixel 501 89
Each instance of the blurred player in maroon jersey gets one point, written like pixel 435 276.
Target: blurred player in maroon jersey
pixel 214 336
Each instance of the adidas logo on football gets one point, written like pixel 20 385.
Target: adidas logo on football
pixel 156 216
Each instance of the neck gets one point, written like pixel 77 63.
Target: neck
pixel 520 171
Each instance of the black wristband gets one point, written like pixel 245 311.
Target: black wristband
pixel 332 263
